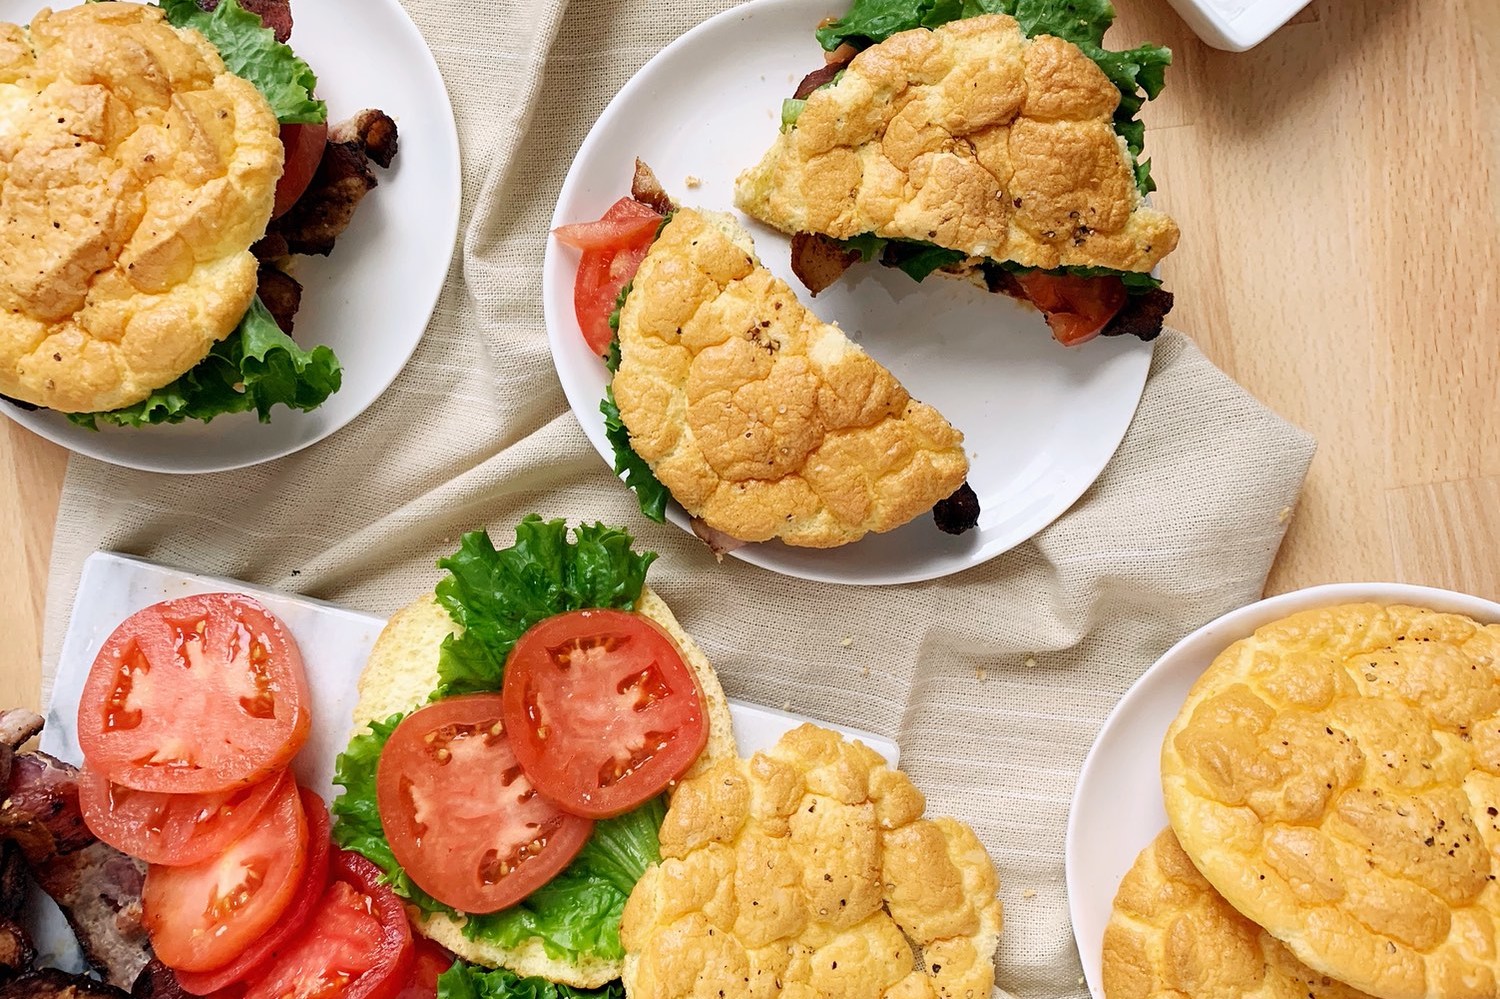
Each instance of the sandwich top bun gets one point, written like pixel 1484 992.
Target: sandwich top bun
pixel 807 871
pixel 1171 934
pixel 1336 776
pixel 971 136
pixel 135 172
pixel 762 420
pixel 402 672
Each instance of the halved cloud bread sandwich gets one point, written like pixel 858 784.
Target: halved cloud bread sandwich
pixel 762 420
pixel 979 150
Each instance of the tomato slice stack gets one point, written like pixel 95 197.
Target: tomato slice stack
pixel 612 249
pixel 486 797
pixel 191 713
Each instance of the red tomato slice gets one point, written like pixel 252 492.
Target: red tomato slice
pixel 613 249
pixel 172 830
pixel 1077 308
pixel 626 223
pixel 428 964
pixel 264 951
pixel 204 693
pixel 303 146
pixel 357 946
pixel 204 916
pixel 460 815
pixel 601 710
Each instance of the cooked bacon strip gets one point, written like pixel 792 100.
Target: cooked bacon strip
pixel 158 982
pixel 18 726
pixel 958 513
pixel 274 14
pixel 280 293
pixel 97 887
pixel 53 984
pixel 1142 316
pixel 16 952
pixel 344 177
pixel 645 188
pixel 819 261
pixel 718 542
pixel 375 133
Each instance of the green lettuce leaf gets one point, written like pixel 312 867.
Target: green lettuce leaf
pixel 577 912
pixel 650 494
pixel 1139 73
pixel 256 367
pixel 791 110
pixel 464 981
pixel 251 51
pixel 496 595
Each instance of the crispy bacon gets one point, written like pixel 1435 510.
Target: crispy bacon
pixel 280 293
pixel 274 14
pixel 1142 316
pixel 344 177
pixel 958 513
pixel 645 188
pixel 97 887
pixel 16 952
pixel 818 260
pixel 53 984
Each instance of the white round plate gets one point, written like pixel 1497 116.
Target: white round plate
pixel 1117 804
pixel 372 298
pixel 1040 421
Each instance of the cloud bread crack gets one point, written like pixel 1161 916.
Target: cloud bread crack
pixel 1336 777
pixel 1171 936
pixel 760 419
pixel 135 172
pixel 805 871
pixel 971 136
pixel 402 672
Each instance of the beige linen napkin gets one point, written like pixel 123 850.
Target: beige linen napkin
pixel 994 681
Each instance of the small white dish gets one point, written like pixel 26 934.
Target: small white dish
pixel 1040 421
pixel 334 641
pixel 372 298
pixel 1117 803
pixel 1236 25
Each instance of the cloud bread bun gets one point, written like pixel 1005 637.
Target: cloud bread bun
pixel 135 172
pixel 1336 776
pixel 761 419
pixel 971 136
pixel 400 675
pixel 1171 936
pixel 806 871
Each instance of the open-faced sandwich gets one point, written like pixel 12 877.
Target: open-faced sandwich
pixel 756 416
pixel 542 780
pixel 159 167
pixel 544 768
pixel 988 139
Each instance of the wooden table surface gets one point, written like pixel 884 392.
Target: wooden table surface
pixel 1338 189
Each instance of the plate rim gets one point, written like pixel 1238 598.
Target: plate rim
pixel 448 127
pixel 1223 631
pixel 762 554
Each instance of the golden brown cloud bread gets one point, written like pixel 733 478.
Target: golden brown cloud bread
pixel 761 419
pixel 970 136
pixel 1336 776
pixel 1171 936
pixel 402 672
pixel 135 172
pixel 809 871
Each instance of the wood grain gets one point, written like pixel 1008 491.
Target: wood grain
pixel 1338 194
